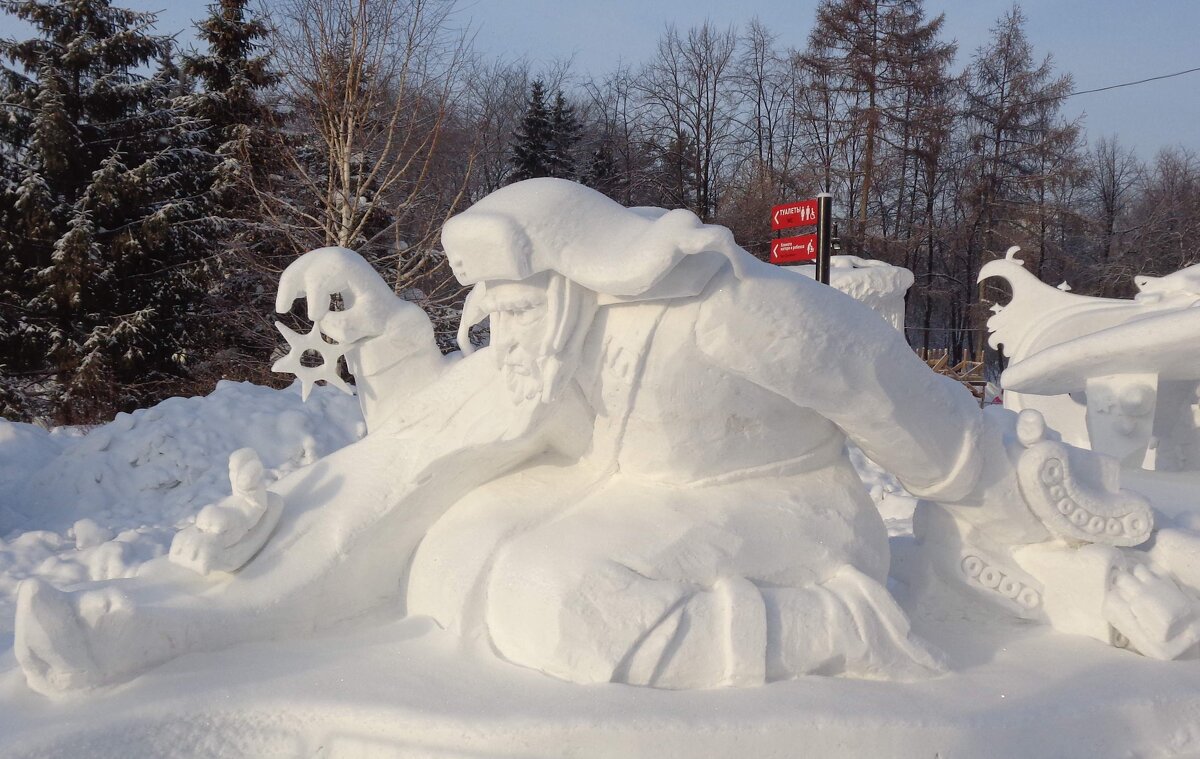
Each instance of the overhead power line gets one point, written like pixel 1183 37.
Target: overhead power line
pixel 1130 84
pixel 1052 98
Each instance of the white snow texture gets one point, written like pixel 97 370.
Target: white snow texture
pixel 652 476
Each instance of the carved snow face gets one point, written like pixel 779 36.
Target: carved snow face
pixel 538 326
pixel 522 328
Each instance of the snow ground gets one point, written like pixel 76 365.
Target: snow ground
pixel 76 506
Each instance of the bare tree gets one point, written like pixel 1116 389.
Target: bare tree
pixel 615 115
pixel 764 83
pixel 1114 172
pixel 1165 219
pixel 497 98
pixel 686 95
pixel 373 86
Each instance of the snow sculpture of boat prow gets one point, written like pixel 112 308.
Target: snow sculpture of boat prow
pixel 1115 375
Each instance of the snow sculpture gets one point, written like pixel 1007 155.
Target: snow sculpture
pixel 1118 376
pixel 1077 558
pixel 642 479
pixel 1115 375
pixel 228 533
pixel 876 283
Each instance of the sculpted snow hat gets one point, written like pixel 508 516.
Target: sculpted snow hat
pixel 552 224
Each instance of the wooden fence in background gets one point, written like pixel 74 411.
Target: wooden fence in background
pixel 967 369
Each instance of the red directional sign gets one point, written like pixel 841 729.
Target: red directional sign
pixel 799 214
pixel 788 250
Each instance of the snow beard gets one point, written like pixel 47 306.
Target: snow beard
pixel 538 327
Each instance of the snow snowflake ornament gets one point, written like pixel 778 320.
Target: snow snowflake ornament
pixel 300 344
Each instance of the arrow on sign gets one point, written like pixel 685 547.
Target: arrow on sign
pixel 788 250
pixel 799 214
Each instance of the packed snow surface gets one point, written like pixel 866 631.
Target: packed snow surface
pixel 79 505
pixel 402 687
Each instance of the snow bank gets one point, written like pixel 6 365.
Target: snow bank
pixel 25 448
pixel 78 506
pixel 159 465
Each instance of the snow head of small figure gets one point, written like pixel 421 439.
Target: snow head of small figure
pixel 311 342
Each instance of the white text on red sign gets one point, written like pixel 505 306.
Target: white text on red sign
pixel 798 214
pixel 792 249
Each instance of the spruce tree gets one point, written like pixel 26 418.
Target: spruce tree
pixel 239 133
pixel 100 225
pixel 16 129
pixel 534 139
pixel 231 75
pixel 565 130
pixel 602 173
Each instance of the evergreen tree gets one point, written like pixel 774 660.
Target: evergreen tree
pixel 16 129
pixel 602 173
pixel 97 225
pixel 565 131
pixel 231 76
pixel 533 146
pixel 240 137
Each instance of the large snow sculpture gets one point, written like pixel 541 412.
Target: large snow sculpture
pixel 642 479
pixel 1118 376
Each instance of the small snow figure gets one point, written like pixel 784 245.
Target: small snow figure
pixel 228 533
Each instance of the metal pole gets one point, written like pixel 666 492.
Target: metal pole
pixel 824 235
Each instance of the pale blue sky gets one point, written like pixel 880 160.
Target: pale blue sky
pixel 1100 42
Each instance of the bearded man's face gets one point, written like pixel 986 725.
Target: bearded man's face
pixel 521 327
pixel 538 326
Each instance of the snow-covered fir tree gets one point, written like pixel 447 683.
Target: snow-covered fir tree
pixel 533 142
pixel 565 131
pixel 105 223
pixel 16 108
pixel 602 173
pixel 544 144
pixel 230 74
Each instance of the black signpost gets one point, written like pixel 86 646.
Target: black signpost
pixel 809 247
pixel 824 235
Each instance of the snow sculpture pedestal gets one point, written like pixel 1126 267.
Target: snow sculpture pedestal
pixel 405 688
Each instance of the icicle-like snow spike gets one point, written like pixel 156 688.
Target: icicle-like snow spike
pixel 472 314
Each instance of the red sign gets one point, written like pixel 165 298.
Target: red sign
pixel 788 250
pixel 799 214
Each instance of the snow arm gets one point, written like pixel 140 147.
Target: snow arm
pixel 390 346
pixel 823 350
